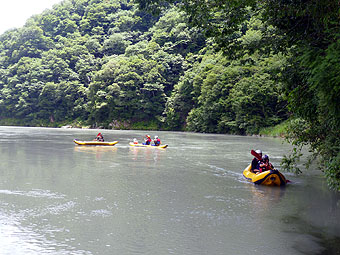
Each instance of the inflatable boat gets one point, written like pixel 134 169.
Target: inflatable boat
pixel 149 146
pixel 95 143
pixel 268 178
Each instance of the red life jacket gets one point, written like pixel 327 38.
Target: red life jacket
pixel 148 141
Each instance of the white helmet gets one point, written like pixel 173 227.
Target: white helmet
pixel 258 151
pixel 156 137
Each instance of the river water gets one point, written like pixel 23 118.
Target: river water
pixel 191 198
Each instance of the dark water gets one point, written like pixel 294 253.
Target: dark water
pixel 191 198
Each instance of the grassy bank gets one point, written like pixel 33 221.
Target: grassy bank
pixel 279 130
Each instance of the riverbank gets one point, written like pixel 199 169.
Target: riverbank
pixel 279 130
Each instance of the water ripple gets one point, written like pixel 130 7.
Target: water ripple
pixel 17 239
pixel 101 212
pixel 33 193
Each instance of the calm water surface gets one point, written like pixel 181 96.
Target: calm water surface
pixel 191 198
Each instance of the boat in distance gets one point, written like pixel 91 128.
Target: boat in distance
pixel 95 143
pixel 149 146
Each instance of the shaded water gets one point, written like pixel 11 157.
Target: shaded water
pixel 191 198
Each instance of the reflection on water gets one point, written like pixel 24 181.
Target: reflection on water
pixel 266 197
pixel 95 149
pixel 191 198
pixel 100 152
pixel 146 154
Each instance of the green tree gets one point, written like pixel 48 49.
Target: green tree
pixel 115 44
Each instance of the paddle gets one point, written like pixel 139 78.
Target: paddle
pixel 256 155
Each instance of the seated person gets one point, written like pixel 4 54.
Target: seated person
pixel 265 165
pixel 255 163
pixel 157 141
pixel 147 140
pixel 100 137
pixel 135 141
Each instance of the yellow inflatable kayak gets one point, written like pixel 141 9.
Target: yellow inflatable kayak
pixel 268 178
pixel 151 146
pixel 96 143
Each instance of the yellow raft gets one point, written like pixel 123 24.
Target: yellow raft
pixel 150 146
pixel 95 143
pixel 268 178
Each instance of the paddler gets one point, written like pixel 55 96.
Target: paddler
pixel 148 140
pixel 100 137
pixel 157 141
pixel 255 163
pixel 265 165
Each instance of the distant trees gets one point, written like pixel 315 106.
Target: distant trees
pixel 101 62
pixel 94 61
pixel 239 94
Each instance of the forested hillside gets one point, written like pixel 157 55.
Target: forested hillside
pixel 108 64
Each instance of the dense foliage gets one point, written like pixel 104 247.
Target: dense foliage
pixel 236 95
pixel 108 64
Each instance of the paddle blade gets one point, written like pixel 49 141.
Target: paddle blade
pixel 256 155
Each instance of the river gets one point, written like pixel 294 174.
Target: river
pixel 191 198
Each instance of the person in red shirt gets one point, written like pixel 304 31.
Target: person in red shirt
pixel 100 137
pixel 157 141
pixel 265 165
pixel 148 140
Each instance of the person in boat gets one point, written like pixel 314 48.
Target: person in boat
pixel 135 141
pixel 255 163
pixel 147 140
pixel 100 138
pixel 157 141
pixel 265 165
